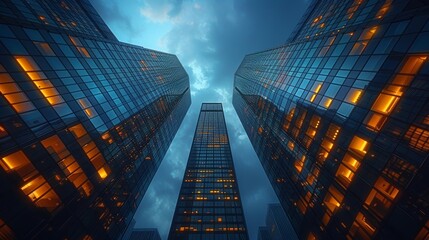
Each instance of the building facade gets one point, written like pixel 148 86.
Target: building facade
pixel 264 233
pixel 209 204
pixel 278 226
pixel 145 234
pixel 339 117
pixel 85 121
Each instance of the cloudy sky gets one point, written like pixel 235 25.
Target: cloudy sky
pixel 210 39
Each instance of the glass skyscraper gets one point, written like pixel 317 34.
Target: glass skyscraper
pixel 339 117
pixel 278 226
pixel 85 121
pixel 209 204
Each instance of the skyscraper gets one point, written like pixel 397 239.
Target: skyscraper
pixel 339 117
pixel 145 234
pixel 209 204
pixel 85 121
pixel 278 226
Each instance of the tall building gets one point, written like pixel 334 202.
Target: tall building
pixel 145 234
pixel 339 117
pixel 85 121
pixel 264 233
pixel 209 204
pixel 278 226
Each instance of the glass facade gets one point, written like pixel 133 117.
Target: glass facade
pixel 209 204
pixel 278 226
pixel 145 234
pixel 85 121
pixel 339 117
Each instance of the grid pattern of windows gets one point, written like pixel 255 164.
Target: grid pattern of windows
pixel 209 205
pixel 339 119
pixel 85 121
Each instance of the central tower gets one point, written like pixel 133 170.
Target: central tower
pixel 209 205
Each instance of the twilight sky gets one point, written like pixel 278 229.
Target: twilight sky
pixel 210 39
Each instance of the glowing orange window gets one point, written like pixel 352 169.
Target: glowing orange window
pixel 91 150
pixel 45 86
pixel 14 95
pixel 68 164
pixel 35 186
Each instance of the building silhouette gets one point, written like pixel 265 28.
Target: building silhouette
pixel 278 226
pixel 209 204
pixel 339 117
pixel 85 121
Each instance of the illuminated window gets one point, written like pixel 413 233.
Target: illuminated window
pixel 418 137
pixel 384 9
pixel 14 95
pixel 76 42
pixel 311 236
pixel 358 48
pixel 68 164
pixel 368 33
pixel 384 187
pixel 359 145
pixel 34 185
pixel 87 107
pixel 333 199
pixel 353 95
pixel 413 65
pixel 45 86
pixel 375 121
pixel 333 131
pixel 391 94
pixel 5 231
pixel 327 102
pixel 363 227
pixel 384 103
pixel 344 175
pixel 288 119
pixel 91 150
pixel 424 232
pixel 316 90
pixel 107 137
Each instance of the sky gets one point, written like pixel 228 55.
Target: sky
pixel 210 38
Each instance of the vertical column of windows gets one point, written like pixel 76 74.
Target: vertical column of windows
pixel 43 84
pixel 34 185
pixel 68 164
pixel 91 150
pixel 14 95
pixel 389 97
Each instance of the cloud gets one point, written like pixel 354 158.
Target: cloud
pixel 224 95
pixel 201 81
pixel 157 15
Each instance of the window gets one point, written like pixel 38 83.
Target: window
pixel 359 146
pixel 39 79
pixel 14 95
pixel 353 95
pixel 381 196
pixel 391 94
pixel 44 48
pixel 76 42
pixel 68 164
pixel 91 150
pixel 34 184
